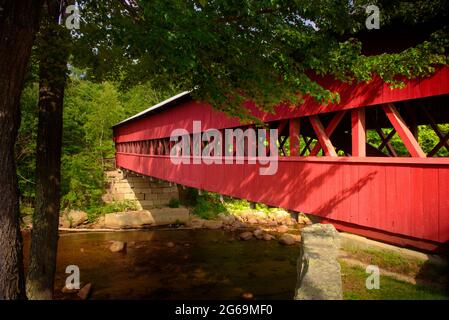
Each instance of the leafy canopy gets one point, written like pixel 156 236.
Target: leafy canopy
pixel 227 51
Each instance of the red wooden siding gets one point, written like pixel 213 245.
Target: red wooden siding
pixel 400 196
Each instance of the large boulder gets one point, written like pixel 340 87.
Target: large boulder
pixel 213 224
pixel 72 219
pixel 287 239
pixel 143 218
pixel 319 275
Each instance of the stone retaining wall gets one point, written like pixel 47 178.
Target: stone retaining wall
pixel 146 191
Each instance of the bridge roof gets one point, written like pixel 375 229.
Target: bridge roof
pixel 352 95
pixel 157 107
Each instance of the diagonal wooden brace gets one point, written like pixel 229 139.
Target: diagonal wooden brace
pixel 329 130
pixel 323 138
pixel 403 131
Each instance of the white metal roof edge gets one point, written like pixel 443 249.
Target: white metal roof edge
pixel 156 106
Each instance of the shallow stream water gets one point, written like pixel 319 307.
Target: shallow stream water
pixel 202 264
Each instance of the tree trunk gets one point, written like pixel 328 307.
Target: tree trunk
pixel 53 54
pixel 18 25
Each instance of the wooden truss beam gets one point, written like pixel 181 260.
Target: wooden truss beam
pixel 443 142
pixel 403 131
pixel 441 136
pixel 386 141
pixel 308 141
pixel 329 130
pixel 323 138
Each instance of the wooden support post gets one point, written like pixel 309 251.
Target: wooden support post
pixel 281 127
pixel 294 133
pixel 268 150
pixel 166 146
pixel 323 138
pixel 358 132
pixel 403 131
pixel 329 130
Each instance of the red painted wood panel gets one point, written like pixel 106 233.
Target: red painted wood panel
pixel 161 124
pixel 404 198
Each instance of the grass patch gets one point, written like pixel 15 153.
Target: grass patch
pixel 387 260
pixel 354 277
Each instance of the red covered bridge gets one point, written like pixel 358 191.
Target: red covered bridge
pixel 328 170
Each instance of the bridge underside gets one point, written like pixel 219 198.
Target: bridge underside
pixel 368 170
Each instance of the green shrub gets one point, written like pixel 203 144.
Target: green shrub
pixel 174 203
pixel 208 206
pixel 236 204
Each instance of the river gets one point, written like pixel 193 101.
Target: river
pixel 202 264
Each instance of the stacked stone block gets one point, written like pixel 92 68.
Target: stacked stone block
pixel 147 192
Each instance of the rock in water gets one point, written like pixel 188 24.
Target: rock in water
pixel 213 224
pixel 248 296
pixel 246 235
pixel 268 237
pixel 117 246
pixel 319 274
pixel 287 239
pixel 258 233
pixel 84 293
pixel 170 244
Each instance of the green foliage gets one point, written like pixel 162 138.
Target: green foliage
pixel 173 203
pixel 82 181
pixel 428 139
pixel 263 50
pixel 118 206
pixel 90 110
pixel 236 204
pixel 26 143
pixel 208 206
